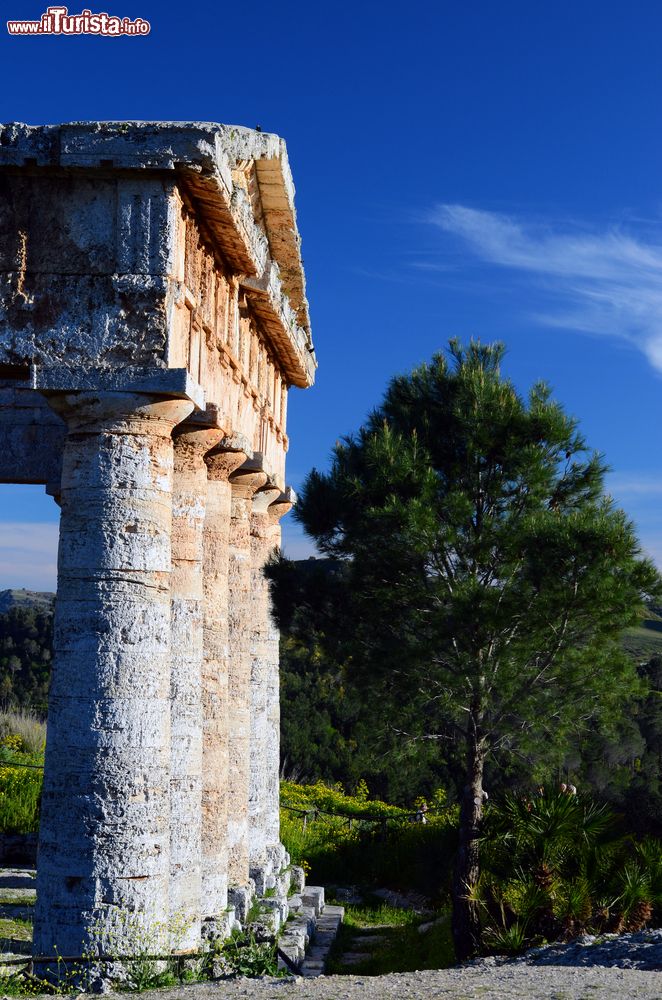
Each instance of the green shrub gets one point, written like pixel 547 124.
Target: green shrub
pixel 558 865
pixel 247 957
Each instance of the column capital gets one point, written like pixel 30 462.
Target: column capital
pixel 248 479
pixel 282 505
pixel 91 412
pixel 229 454
pixel 209 421
pixel 193 442
pixel 265 497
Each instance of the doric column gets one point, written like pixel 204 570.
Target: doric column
pixel 245 482
pixel 221 463
pixel 263 543
pixel 275 512
pixel 192 442
pixel 104 846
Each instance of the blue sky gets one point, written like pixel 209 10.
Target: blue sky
pixel 462 169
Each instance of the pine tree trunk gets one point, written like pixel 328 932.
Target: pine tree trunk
pixel 466 917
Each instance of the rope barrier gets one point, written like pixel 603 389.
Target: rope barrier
pixel 90 959
pixel 11 763
pixel 32 960
pixel 314 811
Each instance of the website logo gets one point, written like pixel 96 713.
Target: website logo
pixel 58 21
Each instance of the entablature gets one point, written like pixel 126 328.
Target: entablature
pixel 142 166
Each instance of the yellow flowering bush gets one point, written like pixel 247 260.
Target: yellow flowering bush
pixel 319 797
pixel 21 777
pixel 13 742
pixel 349 838
pixel 20 790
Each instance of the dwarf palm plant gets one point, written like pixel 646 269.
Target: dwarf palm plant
pixel 557 865
pixel 648 853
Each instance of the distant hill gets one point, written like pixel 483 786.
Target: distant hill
pixel 41 600
pixel 645 640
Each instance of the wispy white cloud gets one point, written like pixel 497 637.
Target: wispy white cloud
pixel 639 494
pixel 603 282
pixel 639 486
pixel 28 555
pixel 652 547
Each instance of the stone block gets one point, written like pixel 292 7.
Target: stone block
pixel 297 878
pixel 259 875
pixel 295 901
pixel 313 896
pixel 282 882
pixel 240 898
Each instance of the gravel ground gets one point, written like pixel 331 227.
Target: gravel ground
pixel 482 982
pixel 628 967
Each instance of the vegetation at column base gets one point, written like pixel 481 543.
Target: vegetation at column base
pixel 239 955
pixel 248 957
pixel 15 934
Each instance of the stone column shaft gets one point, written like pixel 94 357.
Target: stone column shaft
pixel 275 512
pixel 263 542
pixel 245 482
pixel 104 846
pixel 221 464
pixel 188 519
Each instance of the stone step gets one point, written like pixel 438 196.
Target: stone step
pixel 312 969
pixel 370 940
pixel 355 957
pixel 333 915
pixel 326 931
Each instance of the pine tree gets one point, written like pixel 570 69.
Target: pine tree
pixel 488 575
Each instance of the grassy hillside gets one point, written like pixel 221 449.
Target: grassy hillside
pixel 40 600
pixel 645 640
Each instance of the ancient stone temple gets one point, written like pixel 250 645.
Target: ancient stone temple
pixel 152 320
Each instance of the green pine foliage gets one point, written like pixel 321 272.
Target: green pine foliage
pixel 487 577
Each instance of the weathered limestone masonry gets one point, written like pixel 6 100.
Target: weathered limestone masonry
pixel 186 635
pixel 266 860
pixel 245 482
pixel 221 463
pixel 152 320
